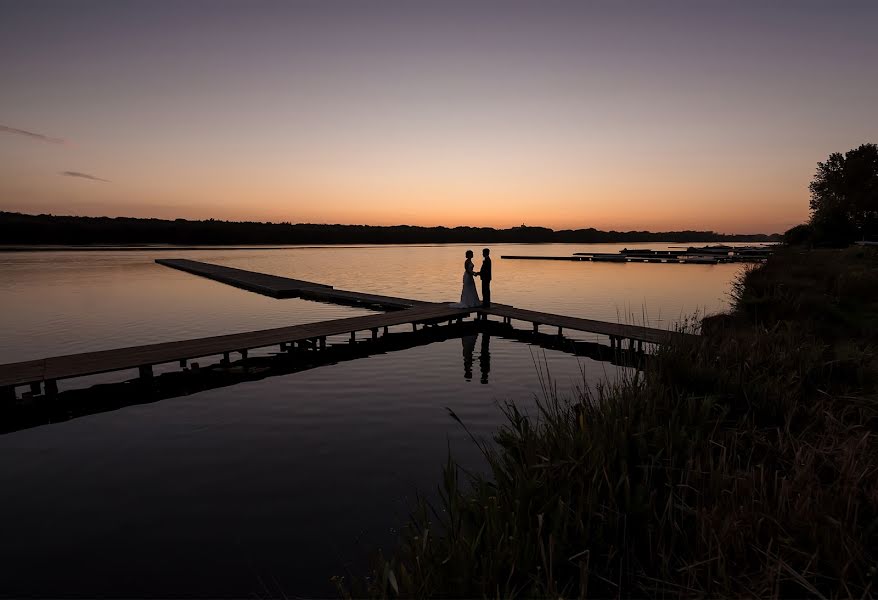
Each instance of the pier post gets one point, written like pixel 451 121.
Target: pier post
pixel 353 337
pixel 283 346
pixel 385 330
pixel 323 343
pixel 414 326
pixel 183 363
pixel 374 333
pixel 536 328
pixel 7 395
pixel 631 345
pixel 145 371
pixel 640 346
pixel 243 354
pixel 51 387
pixel 36 388
pixel 226 358
pixel 560 332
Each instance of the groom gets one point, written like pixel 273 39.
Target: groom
pixel 485 274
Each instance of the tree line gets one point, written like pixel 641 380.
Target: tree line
pixel 25 229
pixel 844 200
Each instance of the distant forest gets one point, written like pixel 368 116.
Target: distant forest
pixel 22 229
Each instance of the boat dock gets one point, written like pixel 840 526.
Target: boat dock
pixel 617 332
pixel 284 287
pixel 50 370
pixel 707 255
pixel 42 375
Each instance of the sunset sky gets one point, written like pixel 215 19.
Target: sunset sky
pixel 625 115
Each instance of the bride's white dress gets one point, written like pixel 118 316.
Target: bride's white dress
pixel 469 298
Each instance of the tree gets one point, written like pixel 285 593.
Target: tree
pixel 844 195
pixel 799 235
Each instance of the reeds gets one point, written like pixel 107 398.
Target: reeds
pixel 744 463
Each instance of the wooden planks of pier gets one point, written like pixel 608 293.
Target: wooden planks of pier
pixel 144 357
pixel 403 311
pixel 615 331
pixel 285 287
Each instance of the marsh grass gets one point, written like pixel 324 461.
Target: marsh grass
pixel 743 463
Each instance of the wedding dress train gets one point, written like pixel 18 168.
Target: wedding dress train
pixel 469 298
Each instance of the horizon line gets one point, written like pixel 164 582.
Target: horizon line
pixel 328 224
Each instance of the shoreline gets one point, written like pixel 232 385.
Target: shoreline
pixel 215 247
pixel 742 465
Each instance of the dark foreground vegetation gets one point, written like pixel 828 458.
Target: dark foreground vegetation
pixel 17 228
pixel 743 464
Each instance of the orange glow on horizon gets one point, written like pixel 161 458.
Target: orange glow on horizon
pixel 668 117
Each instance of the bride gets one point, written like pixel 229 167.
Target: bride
pixel 468 296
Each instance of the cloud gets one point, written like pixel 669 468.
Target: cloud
pixel 83 176
pixel 30 134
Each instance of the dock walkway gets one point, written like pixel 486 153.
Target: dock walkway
pixel 402 311
pixel 285 287
pixel 52 369
pixel 615 331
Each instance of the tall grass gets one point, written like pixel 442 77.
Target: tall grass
pixel 744 463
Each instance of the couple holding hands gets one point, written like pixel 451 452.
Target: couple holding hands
pixel 469 298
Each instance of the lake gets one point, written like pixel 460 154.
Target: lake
pixel 269 487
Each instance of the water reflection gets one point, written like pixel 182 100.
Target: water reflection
pixel 485 357
pixel 469 346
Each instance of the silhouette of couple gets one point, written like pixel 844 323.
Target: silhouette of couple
pixel 469 298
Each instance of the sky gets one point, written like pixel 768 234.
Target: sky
pixel 607 114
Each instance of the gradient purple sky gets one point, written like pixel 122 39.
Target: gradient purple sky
pixel 627 115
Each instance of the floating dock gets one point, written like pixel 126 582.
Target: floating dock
pixel 707 255
pixel 50 370
pixel 42 375
pixel 285 287
pixel 617 332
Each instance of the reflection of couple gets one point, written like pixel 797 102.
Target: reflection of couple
pixel 469 346
pixel 468 296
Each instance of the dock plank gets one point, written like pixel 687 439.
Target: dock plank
pixel 285 287
pixel 620 330
pixel 403 311
pixel 261 283
pixel 23 372
pixel 92 363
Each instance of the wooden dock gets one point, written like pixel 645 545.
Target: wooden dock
pixel 615 331
pixel 402 311
pixel 619 258
pixel 50 370
pixel 285 287
pixel 708 255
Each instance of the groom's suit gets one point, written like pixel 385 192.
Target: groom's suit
pixel 485 274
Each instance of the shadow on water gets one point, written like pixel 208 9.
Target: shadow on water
pixel 44 410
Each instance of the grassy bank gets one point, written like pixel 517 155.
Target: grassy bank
pixel 745 463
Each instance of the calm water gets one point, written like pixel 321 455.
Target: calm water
pixel 267 488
